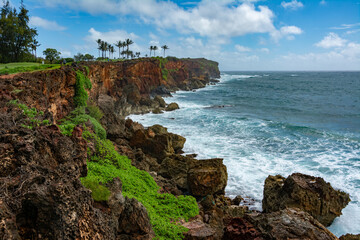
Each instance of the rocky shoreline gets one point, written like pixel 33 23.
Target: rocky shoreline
pixel 41 194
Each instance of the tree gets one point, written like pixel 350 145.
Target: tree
pixel 128 43
pixel 165 48
pixel 137 54
pixel 88 57
pixel 99 45
pixel 155 48
pixel 151 48
pixel 15 34
pixel 34 45
pixel 119 44
pixel 51 54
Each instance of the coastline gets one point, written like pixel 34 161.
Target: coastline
pixel 118 89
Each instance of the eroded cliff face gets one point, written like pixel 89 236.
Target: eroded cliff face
pixel 127 85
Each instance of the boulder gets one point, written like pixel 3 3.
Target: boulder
pixel 237 200
pixel 160 100
pixel 157 111
pixel 311 194
pixel 198 231
pixel 289 223
pixel 171 107
pixel 207 177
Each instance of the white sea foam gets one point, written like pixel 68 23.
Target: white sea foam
pixel 254 148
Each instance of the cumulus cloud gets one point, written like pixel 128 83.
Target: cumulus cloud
pixel 111 36
pixel 207 18
pixel 331 40
pixel 293 5
pixel 240 48
pixel 46 24
pixel 286 31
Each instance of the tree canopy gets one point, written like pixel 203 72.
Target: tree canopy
pixel 51 54
pixel 16 37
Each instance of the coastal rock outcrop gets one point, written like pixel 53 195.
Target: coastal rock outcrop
pixel 311 194
pixel 289 223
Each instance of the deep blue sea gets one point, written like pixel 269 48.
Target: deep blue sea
pixel 265 123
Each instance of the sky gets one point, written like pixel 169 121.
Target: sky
pixel 241 35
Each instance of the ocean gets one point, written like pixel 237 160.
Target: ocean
pixel 268 123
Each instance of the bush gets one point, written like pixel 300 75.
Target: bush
pixel 94 111
pixel 81 96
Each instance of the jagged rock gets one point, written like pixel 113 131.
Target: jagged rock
pixel 237 200
pixel 311 194
pixel 198 230
pixel 239 229
pixel 134 222
pixel 237 211
pixel 289 223
pixel 160 100
pixel 350 237
pixel 157 111
pixel 171 107
pixel 207 177
pixel 175 167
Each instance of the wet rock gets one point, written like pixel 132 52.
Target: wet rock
pixel 350 237
pixel 311 194
pixel 207 177
pixel 160 100
pixel 171 107
pixel 157 111
pixel 161 91
pixel 237 200
pixel 290 223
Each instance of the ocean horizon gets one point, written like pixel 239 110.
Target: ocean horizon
pixel 275 122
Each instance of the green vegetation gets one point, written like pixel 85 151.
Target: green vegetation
pixel 164 209
pixel 17 39
pixel 11 68
pixel 82 83
pixel 33 117
pixel 164 70
pixel 51 54
pixel 105 164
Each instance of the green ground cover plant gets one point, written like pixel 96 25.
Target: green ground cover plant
pixel 11 68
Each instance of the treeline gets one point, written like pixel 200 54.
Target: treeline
pixel 17 39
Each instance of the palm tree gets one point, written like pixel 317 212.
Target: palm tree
pixel 99 45
pixel 165 48
pixel 128 43
pixel 155 48
pixel 119 44
pixel 103 47
pixel 151 48
pixel 111 50
pixel 137 54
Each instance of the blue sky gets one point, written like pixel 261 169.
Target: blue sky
pixel 240 35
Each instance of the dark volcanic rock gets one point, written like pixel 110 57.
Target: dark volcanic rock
pixel 198 230
pixel 239 229
pixel 171 107
pixel 207 177
pixel 41 193
pixel 311 194
pixel 290 223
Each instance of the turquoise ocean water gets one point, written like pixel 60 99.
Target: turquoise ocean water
pixel 265 123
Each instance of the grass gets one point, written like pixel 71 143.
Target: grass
pixel 11 68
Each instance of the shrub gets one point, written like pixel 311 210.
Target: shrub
pixel 81 96
pixel 94 111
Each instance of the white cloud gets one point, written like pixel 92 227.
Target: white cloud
pixel 293 5
pixel 240 48
pixel 265 50
pixel 331 40
pixel 46 24
pixel 111 36
pixel 65 53
pixel 208 18
pixel 286 31
pixel 323 2
pixel 346 26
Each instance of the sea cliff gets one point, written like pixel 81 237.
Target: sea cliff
pixel 67 124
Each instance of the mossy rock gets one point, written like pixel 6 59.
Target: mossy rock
pixel 157 111
pixel 160 100
pixel 171 107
